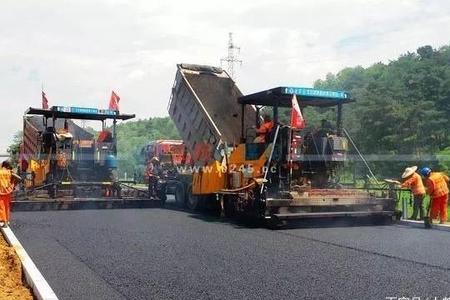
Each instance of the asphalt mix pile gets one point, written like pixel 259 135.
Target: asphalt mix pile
pixel 11 283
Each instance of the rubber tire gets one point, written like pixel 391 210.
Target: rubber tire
pixel 193 202
pixel 180 195
pixel 162 194
pixel 162 198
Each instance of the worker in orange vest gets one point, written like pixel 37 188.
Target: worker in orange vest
pixel 7 180
pixel 437 188
pixel 264 129
pixel 413 181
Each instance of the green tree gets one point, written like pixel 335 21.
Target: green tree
pixel 133 136
pixel 402 108
pixel 14 148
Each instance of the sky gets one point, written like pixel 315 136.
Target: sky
pixel 79 51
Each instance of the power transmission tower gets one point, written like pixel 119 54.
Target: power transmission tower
pixel 232 57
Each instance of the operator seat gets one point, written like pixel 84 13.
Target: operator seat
pixel 49 140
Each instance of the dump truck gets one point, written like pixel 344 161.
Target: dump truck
pixel 293 174
pixel 171 152
pixel 173 158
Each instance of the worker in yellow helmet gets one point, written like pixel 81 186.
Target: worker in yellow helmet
pixel 7 181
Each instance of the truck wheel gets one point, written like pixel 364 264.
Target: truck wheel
pixel 193 202
pixel 162 196
pixel 180 195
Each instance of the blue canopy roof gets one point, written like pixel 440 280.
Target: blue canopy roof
pixel 281 96
pixel 78 113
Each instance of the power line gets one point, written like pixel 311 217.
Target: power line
pixel 232 57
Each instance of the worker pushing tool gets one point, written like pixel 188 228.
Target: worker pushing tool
pixel 437 188
pixel 413 181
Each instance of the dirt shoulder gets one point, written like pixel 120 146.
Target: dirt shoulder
pixel 11 283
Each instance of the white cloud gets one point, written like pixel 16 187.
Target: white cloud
pixel 81 50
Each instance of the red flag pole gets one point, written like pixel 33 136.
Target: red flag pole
pixel 42 95
pixel 297 123
pixel 291 129
pixel 114 101
pixel 44 99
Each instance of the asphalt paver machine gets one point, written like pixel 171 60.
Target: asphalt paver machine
pixel 60 156
pixel 293 174
pixel 300 168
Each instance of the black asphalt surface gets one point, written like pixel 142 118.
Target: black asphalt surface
pixel 168 254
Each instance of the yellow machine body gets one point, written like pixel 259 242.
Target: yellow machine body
pixel 213 178
pixel 209 179
pixel 40 169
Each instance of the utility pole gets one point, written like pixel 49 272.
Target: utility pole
pixel 232 57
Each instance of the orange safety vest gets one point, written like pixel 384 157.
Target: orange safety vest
pixel 263 131
pixel 265 128
pixel 6 185
pixel 415 183
pixel 437 184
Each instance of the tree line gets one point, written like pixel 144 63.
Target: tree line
pixel 134 135
pixel 402 109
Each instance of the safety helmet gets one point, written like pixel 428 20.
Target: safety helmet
pixel 425 171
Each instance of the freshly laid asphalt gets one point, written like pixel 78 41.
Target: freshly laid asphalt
pixel 169 254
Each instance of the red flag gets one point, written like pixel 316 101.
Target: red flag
pixel 114 101
pixel 44 101
pixel 297 121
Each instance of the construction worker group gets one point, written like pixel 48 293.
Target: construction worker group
pixel 435 184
